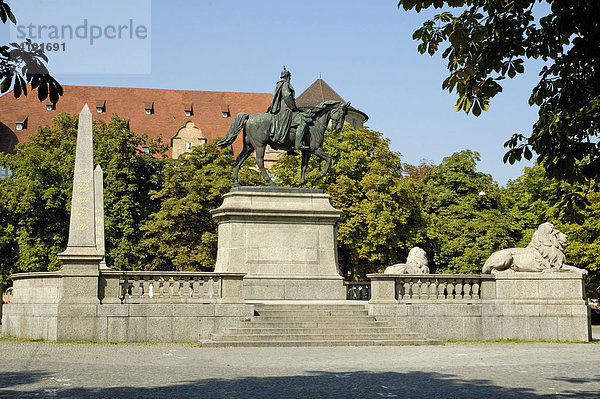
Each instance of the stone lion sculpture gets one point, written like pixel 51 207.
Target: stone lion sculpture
pixel 544 253
pixel 416 263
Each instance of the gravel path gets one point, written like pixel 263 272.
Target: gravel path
pixel 465 370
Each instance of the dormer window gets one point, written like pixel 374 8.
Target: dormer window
pixel 21 123
pixel 149 108
pixel 100 106
pixel 225 111
pixel 188 109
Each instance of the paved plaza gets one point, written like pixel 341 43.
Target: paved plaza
pixel 454 370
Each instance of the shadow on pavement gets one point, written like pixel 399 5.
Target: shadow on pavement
pixel 314 385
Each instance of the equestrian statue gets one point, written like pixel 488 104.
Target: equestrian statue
pixel 285 127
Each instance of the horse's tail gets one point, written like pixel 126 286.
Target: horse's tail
pixel 234 130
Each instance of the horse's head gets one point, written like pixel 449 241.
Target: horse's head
pixel 337 115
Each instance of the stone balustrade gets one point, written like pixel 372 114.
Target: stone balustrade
pixel 511 305
pixel 441 287
pixel 360 291
pixel 170 287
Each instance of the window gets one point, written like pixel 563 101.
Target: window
pixel 146 150
pixel 50 107
pixel 5 172
pixel 188 109
pixel 188 145
pixel 149 107
pixel 225 111
pixel 21 123
pixel 100 106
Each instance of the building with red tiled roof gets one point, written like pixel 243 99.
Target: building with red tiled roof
pixel 155 112
pixel 182 118
pixel 320 91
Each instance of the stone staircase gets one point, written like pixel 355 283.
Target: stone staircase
pixel 315 325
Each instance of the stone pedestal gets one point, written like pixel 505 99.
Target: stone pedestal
pixel 284 239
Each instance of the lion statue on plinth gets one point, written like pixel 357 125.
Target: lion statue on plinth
pixel 545 253
pixel 416 263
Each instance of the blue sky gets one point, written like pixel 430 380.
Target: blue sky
pixel 364 50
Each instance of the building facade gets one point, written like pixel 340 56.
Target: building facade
pixel 183 119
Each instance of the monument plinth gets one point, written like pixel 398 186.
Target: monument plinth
pixel 284 239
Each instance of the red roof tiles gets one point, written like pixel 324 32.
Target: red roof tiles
pixel 168 107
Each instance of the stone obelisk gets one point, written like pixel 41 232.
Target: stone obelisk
pixel 81 259
pixel 99 214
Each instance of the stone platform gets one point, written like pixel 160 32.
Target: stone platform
pixel 283 239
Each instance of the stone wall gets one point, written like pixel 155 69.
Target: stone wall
pixel 526 306
pixel 33 310
pixel 37 310
pixel 189 307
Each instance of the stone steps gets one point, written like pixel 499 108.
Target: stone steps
pixel 313 313
pixel 247 343
pixel 315 325
pixel 313 330
pixel 323 323
pixel 349 319
pixel 319 336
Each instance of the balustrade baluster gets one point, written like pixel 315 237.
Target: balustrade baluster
pixel 459 288
pixel 186 288
pixel 441 290
pixel 418 284
pixel 178 287
pixel 450 290
pixel 145 284
pixel 433 288
pixel 159 287
pixel 425 289
pixel 165 287
pixel 467 289
pixel 169 287
pixel 211 288
pixel 475 288
pixel 136 292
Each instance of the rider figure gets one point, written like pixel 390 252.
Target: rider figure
pixel 283 106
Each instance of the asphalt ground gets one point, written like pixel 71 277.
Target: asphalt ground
pixel 454 370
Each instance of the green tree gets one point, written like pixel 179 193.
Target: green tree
pixel 534 198
pixel 490 40
pixel 381 219
pixel 181 234
pixel 465 221
pixel 35 201
pixel 583 248
pixel 19 66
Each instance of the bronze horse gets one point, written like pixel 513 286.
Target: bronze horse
pixel 257 128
